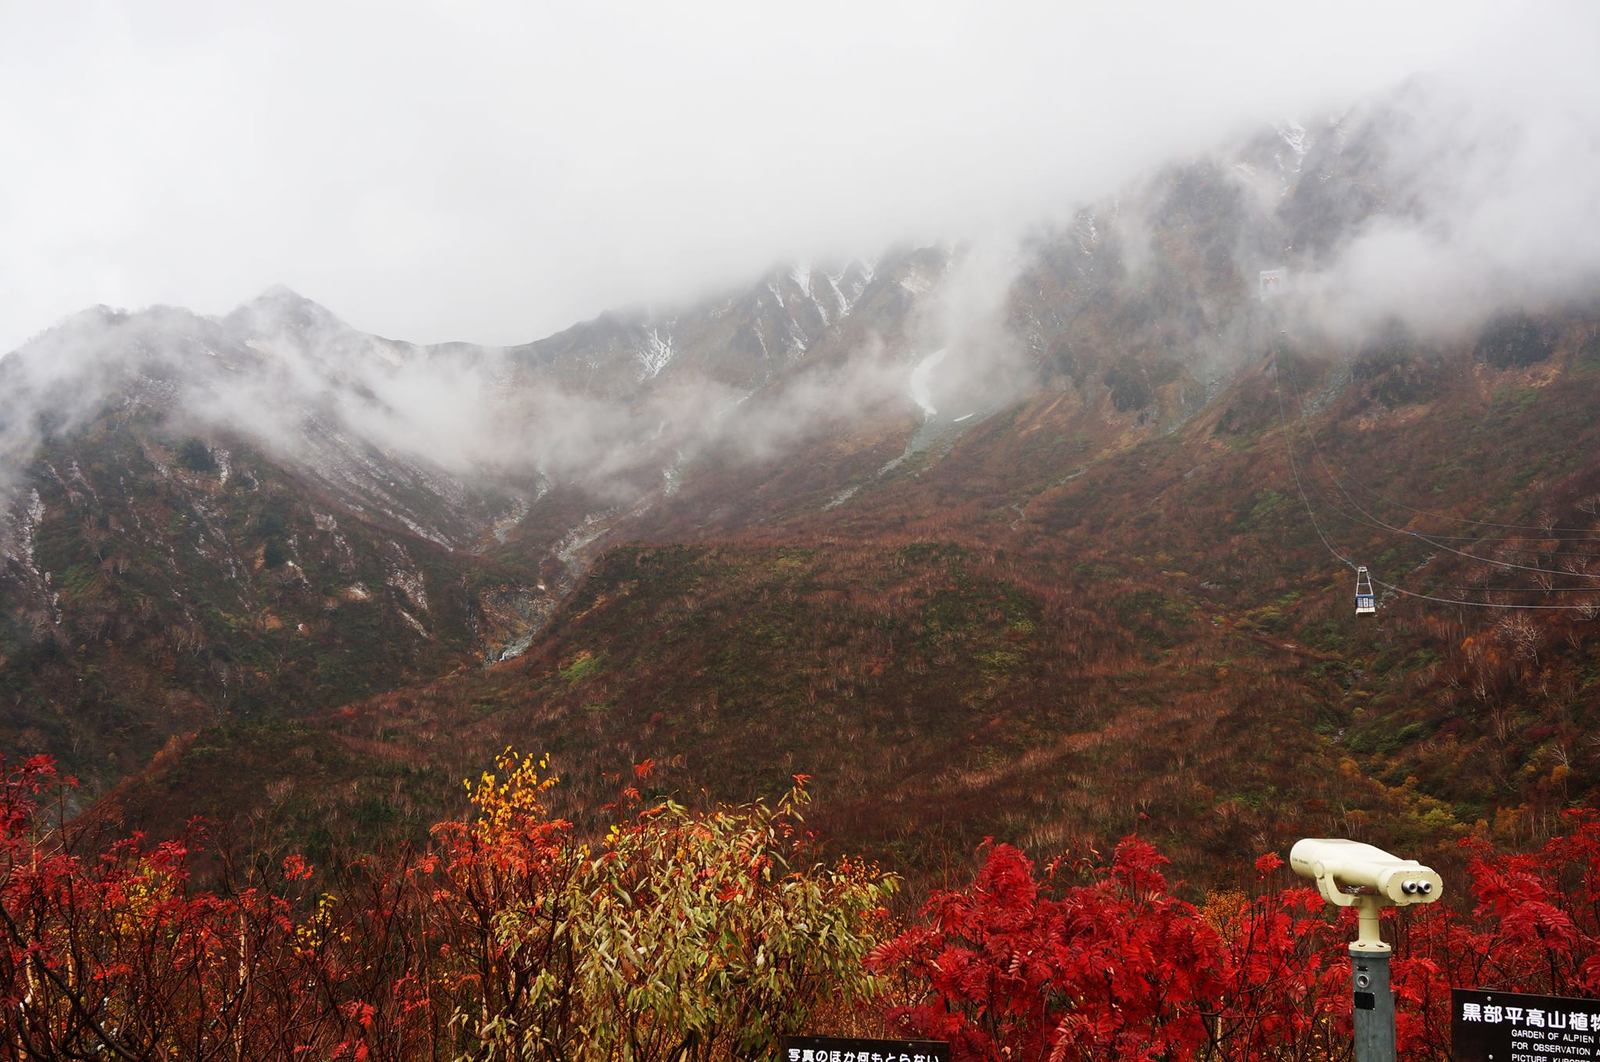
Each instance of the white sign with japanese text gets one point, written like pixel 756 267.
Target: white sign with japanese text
pixel 1490 1026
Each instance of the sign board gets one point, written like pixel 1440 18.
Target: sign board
pixel 1510 1027
pixel 856 1049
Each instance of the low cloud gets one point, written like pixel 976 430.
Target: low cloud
pixel 1500 174
pixel 612 188
pixel 492 172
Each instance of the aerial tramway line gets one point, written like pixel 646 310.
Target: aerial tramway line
pixel 1366 599
pixel 1439 541
pixel 1371 520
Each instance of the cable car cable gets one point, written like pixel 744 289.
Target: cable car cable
pixel 1295 471
pixel 1473 604
pixel 1317 526
pixel 1538 530
pixel 1378 522
pixel 1546 531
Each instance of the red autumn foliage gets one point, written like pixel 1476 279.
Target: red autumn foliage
pixel 1114 966
pixel 113 953
pixel 112 950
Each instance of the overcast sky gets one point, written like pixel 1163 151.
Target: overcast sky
pixel 493 172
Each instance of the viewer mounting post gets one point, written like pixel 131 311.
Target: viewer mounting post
pixel 1352 874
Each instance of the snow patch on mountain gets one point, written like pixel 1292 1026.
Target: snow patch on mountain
pixel 30 527
pixel 843 496
pixel 414 623
pixel 1293 134
pixel 656 354
pixel 17 543
pixel 506 522
pixel 1087 233
pixel 594 525
pixel 408 580
pixel 1298 141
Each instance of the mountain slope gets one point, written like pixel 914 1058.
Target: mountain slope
pixel 1155 640
pixel 1047 550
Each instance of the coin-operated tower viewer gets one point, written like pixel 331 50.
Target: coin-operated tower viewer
pixel 1352 874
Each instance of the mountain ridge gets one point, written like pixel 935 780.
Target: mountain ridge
pixel 1004 520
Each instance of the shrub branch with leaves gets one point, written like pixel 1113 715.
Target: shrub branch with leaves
pixel 686 936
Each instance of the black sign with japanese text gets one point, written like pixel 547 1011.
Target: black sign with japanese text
pixel 1510 1027
pixel 854 1049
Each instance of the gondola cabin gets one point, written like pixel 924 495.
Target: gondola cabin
pixel 1366 600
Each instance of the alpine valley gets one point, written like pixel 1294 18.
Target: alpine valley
pixel 1047 546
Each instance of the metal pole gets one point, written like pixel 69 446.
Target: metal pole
pixel 1374 1005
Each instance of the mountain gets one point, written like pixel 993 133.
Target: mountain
pixel 1153 639
pixel 1046 548
pixel 743 340
pixel 164 566
pixel 273 512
